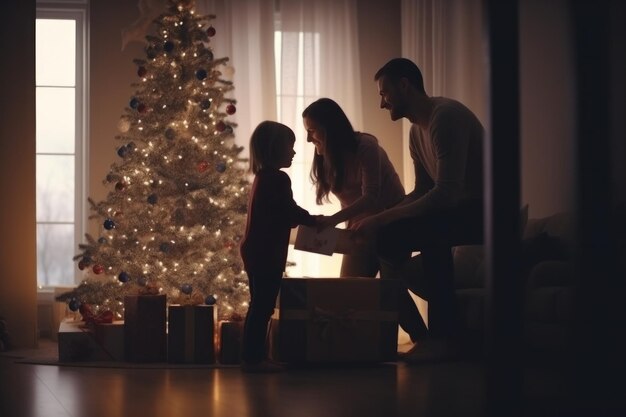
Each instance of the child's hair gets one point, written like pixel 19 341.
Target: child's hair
pixel 267 142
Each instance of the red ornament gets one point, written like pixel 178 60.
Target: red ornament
pixel 120 186
pixel 231 109
pixel 220 126
pixel 210 31
pixel 141 108
pixel 141 71
pixel 98 269
pixel 81 265
pixel 203 166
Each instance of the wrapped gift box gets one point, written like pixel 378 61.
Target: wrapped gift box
pixel 145 328
pixel 229 341
pixel 191 333
pixel 326 320
pixel 110 336
pixel 78 342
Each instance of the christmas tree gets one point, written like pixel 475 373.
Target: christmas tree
pixel 176 209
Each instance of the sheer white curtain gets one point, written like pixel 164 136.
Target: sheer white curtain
pixel 445 39
pixel 245 34
pixel 286 54
pixel 318 57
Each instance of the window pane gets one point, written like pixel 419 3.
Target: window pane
pixel 55 188
pixel 55 249
pixel 56 116
pixel 55 43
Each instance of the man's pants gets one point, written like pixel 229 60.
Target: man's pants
pixel 433 235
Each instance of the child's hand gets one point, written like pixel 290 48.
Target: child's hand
pixel 323 222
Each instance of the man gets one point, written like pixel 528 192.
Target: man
pixel 443 210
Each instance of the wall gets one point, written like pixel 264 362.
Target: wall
pixel 548 139
pixel 618 99
pixel 18 281
pixel 379 41
pixel 111 73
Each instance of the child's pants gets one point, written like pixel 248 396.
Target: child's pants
pixel 264 288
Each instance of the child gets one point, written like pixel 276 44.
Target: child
pixel 272 212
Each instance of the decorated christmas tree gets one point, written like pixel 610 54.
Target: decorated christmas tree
pixel 176 209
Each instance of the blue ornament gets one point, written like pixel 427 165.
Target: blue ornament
pixel 151 52
pixel 164 247
pixel 220 167
pixel 102 240
pixel 201 74
pixel 122 151
pixel 205 104
pixel 123 277
pixel 109 224
pixel 168 46
pixel 186 289
pixel 170 134
pixel 152 199
pixel 134 103
pixel 210 300
pixel 74 304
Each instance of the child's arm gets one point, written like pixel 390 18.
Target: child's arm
pixel 296 214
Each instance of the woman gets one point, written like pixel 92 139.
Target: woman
pixel 354 168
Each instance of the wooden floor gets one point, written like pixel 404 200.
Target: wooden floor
pixel 395 389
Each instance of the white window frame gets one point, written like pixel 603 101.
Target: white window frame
pixel 77 10
pixel 306 264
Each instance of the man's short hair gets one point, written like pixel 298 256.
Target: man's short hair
pixel 399 68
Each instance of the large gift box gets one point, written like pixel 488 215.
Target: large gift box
pixel 79 342
pixel 191 333
pixel 336 320
pixel 145 328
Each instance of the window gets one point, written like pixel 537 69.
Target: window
pixel 297 85
pixel 60 37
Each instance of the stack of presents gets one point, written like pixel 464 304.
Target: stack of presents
pixel 317 320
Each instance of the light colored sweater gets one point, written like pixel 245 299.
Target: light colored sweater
pixel 371 175
pixel 447 157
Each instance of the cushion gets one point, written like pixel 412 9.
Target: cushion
pixel 542 247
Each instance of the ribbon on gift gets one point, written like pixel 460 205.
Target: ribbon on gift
pixel 328 320
pixel 333 334
pixel 90 318
pixel 323 314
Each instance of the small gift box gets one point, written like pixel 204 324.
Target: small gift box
pixel 145 328
pixel 110 337
pixel 79 342
pixel 230 341
pixel 337 320
pixel 191 333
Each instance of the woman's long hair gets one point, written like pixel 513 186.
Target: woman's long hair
pixel 328 170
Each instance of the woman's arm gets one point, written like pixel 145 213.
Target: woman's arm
pixel 368 160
